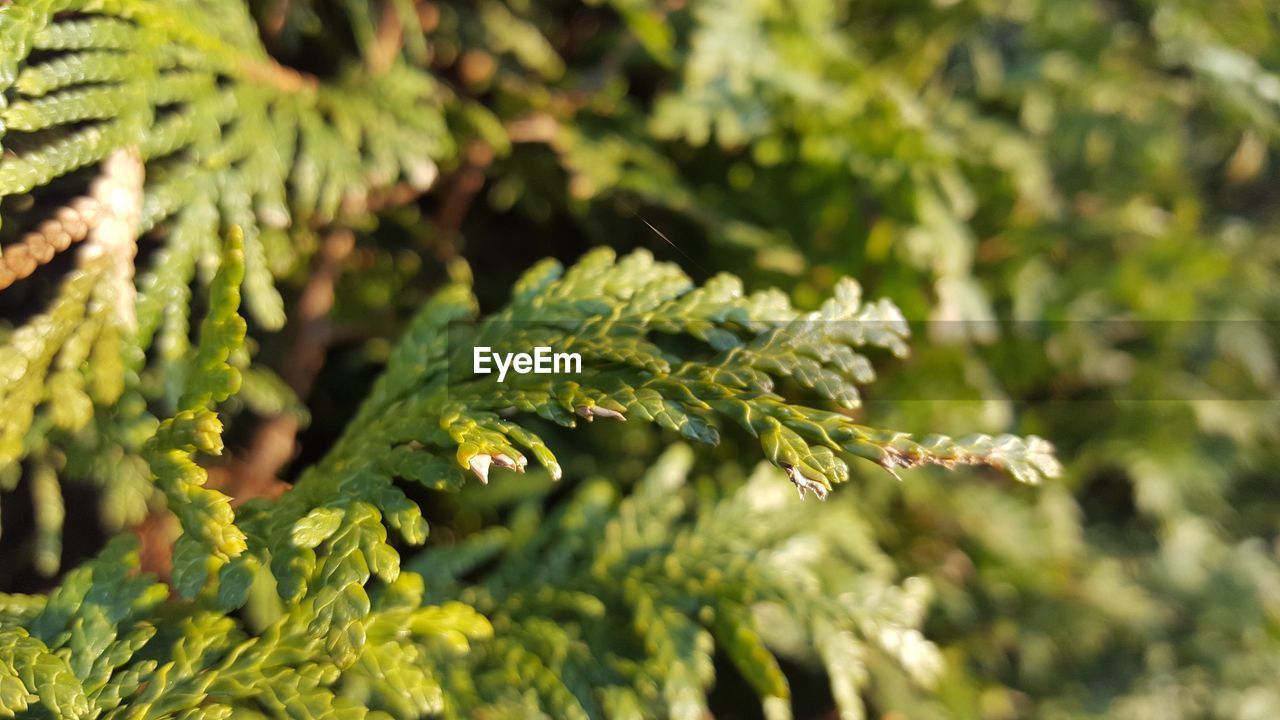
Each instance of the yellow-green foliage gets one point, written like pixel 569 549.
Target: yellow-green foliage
pixel 185 93
pixel 337 642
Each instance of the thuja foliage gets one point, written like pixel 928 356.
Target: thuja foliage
pixel 743 571
pixel 168 124
pixel 1100 178
pixel 352 632
pixel 1096 175
pixel 97 97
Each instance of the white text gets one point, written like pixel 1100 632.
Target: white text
pixel 541 362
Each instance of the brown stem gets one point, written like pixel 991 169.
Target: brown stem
pixel 273 20
pixel 467 183
pixel 387 42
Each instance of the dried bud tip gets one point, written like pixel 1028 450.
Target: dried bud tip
pixel 590 412
pixel 804 484
pixel 480 467
pixel 503 461
pixel 422 174
pixel 889 468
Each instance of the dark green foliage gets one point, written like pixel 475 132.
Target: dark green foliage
pixel 620 603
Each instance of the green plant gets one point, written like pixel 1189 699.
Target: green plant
pixel 1077 200
pixel 1096 177
pixel 185 95
pixel 298 606
pixel 107 641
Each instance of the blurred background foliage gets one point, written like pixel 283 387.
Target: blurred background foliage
pixel 1077 204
